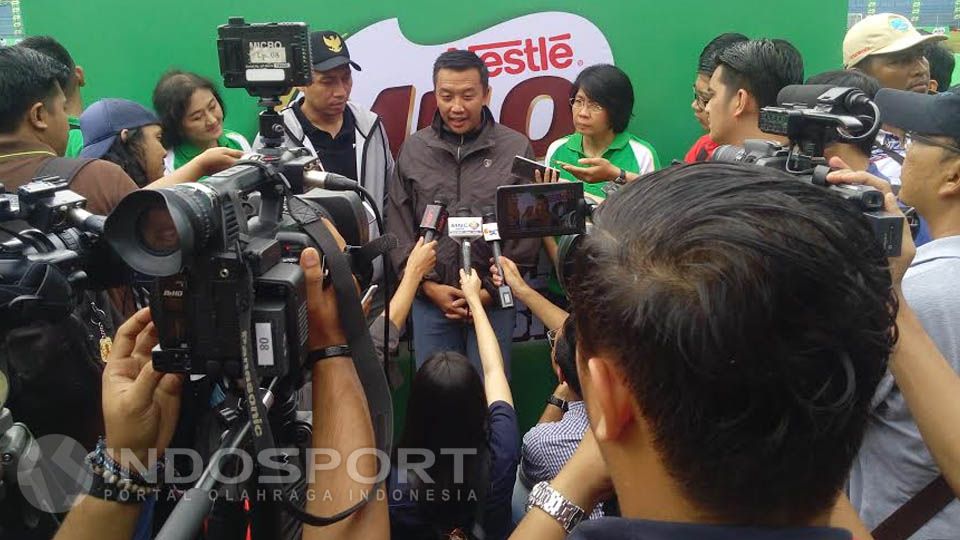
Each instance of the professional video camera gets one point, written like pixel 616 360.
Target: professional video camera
pixel 813 116
pixel 50 251
pixel 227 293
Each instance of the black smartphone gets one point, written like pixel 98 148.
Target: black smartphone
pixel 524 168
pixel 536 210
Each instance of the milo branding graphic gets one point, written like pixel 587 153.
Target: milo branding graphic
pixel 532 60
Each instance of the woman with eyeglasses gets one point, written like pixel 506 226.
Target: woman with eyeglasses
pixel 601 150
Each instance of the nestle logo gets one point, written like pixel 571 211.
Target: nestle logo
pixel 519 55
pixel 172 294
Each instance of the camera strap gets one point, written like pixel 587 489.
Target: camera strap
pixel 365 361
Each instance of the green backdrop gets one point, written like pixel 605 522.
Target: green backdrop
pixel 125 45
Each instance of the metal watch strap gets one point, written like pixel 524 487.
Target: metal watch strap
pixel 551 501
pixel 558 402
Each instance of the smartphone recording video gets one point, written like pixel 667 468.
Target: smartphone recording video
pixel 537 210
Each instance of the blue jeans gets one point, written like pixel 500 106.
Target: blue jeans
pixel 433 332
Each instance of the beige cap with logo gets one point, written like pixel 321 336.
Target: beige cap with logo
pixel 882 33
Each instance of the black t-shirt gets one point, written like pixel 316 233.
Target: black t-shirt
pixel 336 153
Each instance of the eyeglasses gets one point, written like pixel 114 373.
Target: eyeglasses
pixel 592 106
pixel 912 137
pixel 552 337
pixel 701 100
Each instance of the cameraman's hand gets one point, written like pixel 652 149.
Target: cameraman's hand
pixel 471 287
pixel 322 310
pixel 898 265
pixel 140 405
pixel 449 299
pixel 422 259
pixel 846 175
pixel 214 160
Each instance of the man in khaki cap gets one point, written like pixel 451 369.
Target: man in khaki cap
pixel 887 47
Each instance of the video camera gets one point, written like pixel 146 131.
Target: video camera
pixel 813 116
pixel 50 252
pixel 227 294
pixel 238 233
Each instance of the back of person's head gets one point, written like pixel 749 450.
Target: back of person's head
pixel 171 97
pixel 708 56
pixel 462 60
pixel 29 77
pixel 850 78
pixel 609 86
pixel 52 48
pixel 762 67
pixel 447 409
pixel 942 64
pixel 750 316
pixel 565 354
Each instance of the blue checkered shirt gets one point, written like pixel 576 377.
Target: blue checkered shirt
pixel 547 447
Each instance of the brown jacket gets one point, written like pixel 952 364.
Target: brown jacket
pixel 464 172
pixel 101 182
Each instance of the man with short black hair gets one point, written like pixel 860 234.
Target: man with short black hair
pixel 704 147
pixel 34 129
pixel 727 363
pixel 942 63
pixel 460 159
pixel 52 48
pixel 748 77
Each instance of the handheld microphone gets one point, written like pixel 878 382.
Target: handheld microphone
pixel 491 234
pixel 434 221
pixel 466 230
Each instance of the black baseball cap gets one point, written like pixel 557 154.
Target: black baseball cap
pixel 926 114
pixel 329 50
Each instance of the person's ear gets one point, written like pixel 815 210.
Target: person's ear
pixel 487 94
pixel 742 103
pixel 124 135
pixel 951 171
pixel 934 86
pixel 81 76
pixel 37 116
pixel 611 406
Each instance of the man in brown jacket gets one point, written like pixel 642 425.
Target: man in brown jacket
pixel 460 160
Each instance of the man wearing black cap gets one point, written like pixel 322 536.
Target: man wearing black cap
pixel 894 464
pixel 347 138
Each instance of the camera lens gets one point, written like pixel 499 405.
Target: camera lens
pixel 157 232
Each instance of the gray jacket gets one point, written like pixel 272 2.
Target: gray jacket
pixel 463 172
pixel 374 160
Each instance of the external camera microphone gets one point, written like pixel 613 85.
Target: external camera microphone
pixel 491 234
pixel 329 180
pixel 434 221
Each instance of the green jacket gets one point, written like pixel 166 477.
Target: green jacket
pixel 630 153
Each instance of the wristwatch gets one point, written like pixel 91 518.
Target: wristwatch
pixel 551 501
pixel 559 403
pixel 622 179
